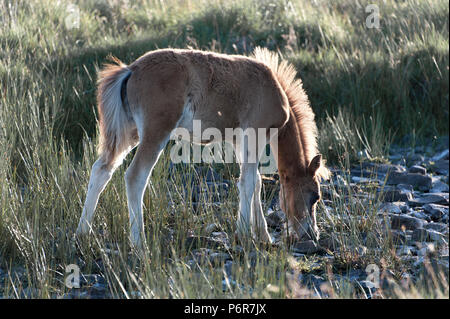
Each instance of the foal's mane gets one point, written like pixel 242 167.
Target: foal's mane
pixel 299 104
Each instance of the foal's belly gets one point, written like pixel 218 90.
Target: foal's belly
pixel 204 126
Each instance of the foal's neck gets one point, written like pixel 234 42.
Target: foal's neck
pixel 292 161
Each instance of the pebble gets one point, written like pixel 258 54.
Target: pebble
pixel 440 227
pixel 418 169
pixel 422 234
pixel 395 195
pixel 435 211
pixel 444 155
pixel 434 198
pixel 306 247
pixel 408 222
pixel 439 187
pixel 393 208
pixel 422 182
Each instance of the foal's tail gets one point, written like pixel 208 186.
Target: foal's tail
pixel 115 120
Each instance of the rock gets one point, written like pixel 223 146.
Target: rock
pixel 275 219
pixel 362 180
pixel 405 187
pixel 439 227
pixel 329 243
pixel 435 198
pixel 218 258
pixel 212 228
pixel 418 169
pixel 440 167
pixel 306 247
pixel 382 169
pixel 415 158
pixel 406 250
pixel 395 195
pixel 311 280
pixel 422 234
pixel 193 242
pixel 439 187
pixel 421 215
pixel 398 236
pixel 419 181
pixel 444 155
pixel 393 208
pixel 409 222
pixel 435 211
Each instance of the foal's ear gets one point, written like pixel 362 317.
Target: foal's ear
pixel 315 164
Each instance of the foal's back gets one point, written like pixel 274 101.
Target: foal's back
pixel 223 91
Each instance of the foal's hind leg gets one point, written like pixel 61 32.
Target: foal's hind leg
pixel 136 178
pixel 101 173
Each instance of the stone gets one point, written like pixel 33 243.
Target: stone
pixel 422 182
pixel 415 157
pixel 405 187
pixel 421 215
pixel 362 180
pixel 275 219
pixel 306 247
pixel 422 234
pixel 435 211
pixel 398 236
pixel 382 168
pixel 406 250
pixel 440 167
pixel 408 222
pixel 439 227
pixel 193 242
pixel 418 169
pixel 219 258
pixel 444 155
pixel 212 228
pixel 395 195
pixel 435 198
pixel 393 208
pixel 329 243
pixel 439 187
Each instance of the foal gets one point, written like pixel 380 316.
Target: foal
pixel 141 104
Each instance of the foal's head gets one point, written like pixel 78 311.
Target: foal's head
pixel 298 198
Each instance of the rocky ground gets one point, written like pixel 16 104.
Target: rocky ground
pixel 411 198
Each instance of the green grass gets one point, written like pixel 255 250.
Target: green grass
pixel 368 87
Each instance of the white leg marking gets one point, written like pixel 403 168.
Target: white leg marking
pixel 260 224
pixel 100 176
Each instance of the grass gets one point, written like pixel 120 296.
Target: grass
pixel 368 87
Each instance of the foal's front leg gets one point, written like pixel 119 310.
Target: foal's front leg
pixel 251 220
pixel 259 222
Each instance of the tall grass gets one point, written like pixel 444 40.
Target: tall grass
pixel 365 85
